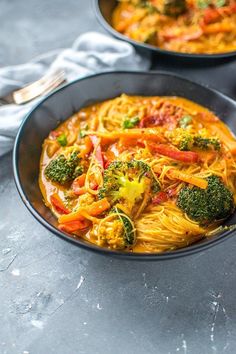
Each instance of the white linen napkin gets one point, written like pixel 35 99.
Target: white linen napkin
pixel 91 52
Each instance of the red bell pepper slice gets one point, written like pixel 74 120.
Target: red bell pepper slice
pixel 98 152
pixel 183 156
pixel 58 204
pixel 159 198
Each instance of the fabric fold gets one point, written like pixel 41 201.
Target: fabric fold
pixel 90 53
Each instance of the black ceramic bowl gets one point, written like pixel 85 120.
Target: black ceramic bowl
pixel 67 100
pixel 104 9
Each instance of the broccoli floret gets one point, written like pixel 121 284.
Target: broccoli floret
pixel 127 181
pixel 206 143
pixel 185 121
pixel 166 7
pixel 186 141
pixel 207 205
pixel 130 123
pixel 62 139
pixel 146 5
pixel 117 230
pixel 174 7
pixel 64 169
pixel 203 4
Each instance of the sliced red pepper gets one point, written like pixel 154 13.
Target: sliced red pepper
pixel 211 16
pixel 54 134
pixel 233 8
pixel 172 192
pixel 98 152
pixel 58 204
pixel 73 226
pixel 183 156
pixel 159 198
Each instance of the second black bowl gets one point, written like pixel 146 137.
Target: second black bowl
pixel 104 9
pixel 69 99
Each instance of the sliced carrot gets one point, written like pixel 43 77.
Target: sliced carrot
pixel 95 122
pixel 78 184
pixel 169 151
pixel 196 181
pixel 88 146
pixel 94 209
pixel 58 204
pixel 73 226
pixel 218 28
pixel 144 134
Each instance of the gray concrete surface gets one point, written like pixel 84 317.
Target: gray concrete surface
pixel 56 298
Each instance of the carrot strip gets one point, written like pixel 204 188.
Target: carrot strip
pixel 196 181
pixel 73 226
pixel 144 134
pixel 58 204
pixel 87 147
pixel 95 122
pixel 183 156
pixel 94 209
pixel 78 184
pixel 218 28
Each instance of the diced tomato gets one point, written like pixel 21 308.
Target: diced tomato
pixel 159 198
pixel 233 8
pixel 106 161
pixel 73 226
pixel 98 152
pixel 94 186
pixel 54 134
pixel 183 156
pixel 58 204
pixel 167 114
pixel 211 16
pixel 172 192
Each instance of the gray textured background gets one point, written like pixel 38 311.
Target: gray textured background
pixel 56 298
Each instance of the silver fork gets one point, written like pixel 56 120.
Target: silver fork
pixel 38 88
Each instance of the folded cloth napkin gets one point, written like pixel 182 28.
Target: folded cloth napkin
pixel 91 52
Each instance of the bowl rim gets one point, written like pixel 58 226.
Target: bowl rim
pixel 152 48
pixel 191 249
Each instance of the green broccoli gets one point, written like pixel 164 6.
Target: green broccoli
pixel 186 141
pixel 64 169
pixel 203 4
pixel 146 5
pixel 206 143
pixel 185 121
pixel 130 123
pixel 174 8
pixel 166 7
pixel 207 205
pixel 62 139
pixel 117 230
pixel 127 182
